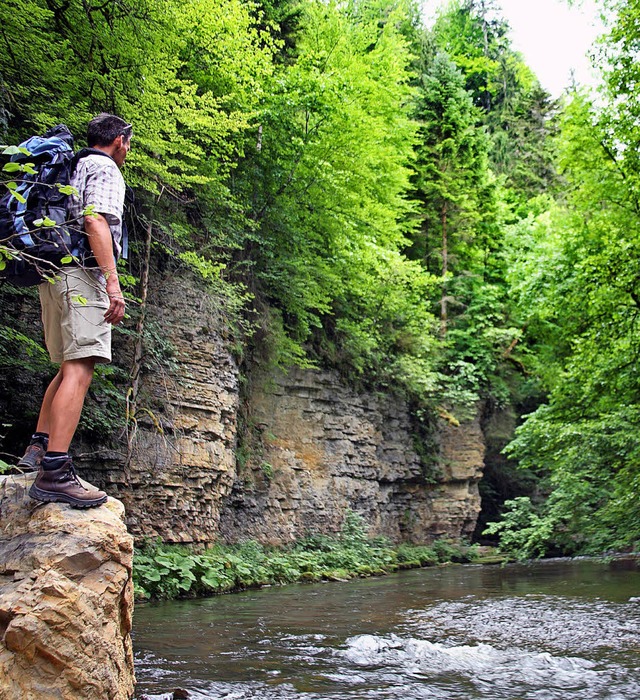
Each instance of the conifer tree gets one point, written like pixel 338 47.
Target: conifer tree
pixel 451 173
pixel 518 114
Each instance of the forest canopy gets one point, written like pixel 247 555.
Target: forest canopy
pixel 406 205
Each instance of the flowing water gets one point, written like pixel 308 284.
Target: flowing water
pixel 551 630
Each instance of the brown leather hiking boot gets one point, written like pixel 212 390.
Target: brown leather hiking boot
pixel 32 458
pixel 63 486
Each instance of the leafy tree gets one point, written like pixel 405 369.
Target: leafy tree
pixel 576 272
pixel 451 173
pixel 328 193
pixel 460 235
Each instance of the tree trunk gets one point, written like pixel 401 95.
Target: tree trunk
pixel 138 351
pixel 445 270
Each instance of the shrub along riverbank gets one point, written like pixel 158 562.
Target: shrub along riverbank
pixel 175 571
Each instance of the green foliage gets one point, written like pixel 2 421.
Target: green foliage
pixel 354 529
pixel 173 571
pixel 201 64
pixel 518 114
pixel 524 534
pixel 21 351
pixel 451 168
pixel 575 276
pixel 592 466
pixel 412 556
pixel 473 34
pixel 460 239
pixel 329 181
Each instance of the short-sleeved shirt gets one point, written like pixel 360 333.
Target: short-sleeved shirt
pixel 100 184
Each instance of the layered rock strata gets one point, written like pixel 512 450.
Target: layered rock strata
pixel 300 450
pixel 177 463
pixel 324 448
pixel 66 599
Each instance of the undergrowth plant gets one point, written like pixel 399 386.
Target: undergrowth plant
pixel 164 571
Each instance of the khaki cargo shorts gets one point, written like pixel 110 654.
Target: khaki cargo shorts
pixel 73 309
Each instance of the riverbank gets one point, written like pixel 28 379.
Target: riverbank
pixel 165 572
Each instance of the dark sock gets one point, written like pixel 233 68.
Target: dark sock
pixel 41 439
pixel 54 460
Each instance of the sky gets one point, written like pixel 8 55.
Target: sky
pixel 553 37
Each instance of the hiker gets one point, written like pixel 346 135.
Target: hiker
pixel 78 310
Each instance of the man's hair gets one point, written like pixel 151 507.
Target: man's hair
pixel 104 129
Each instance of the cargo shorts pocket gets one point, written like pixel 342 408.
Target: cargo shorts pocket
pixel 87 322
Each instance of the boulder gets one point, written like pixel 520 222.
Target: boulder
pixel 66 599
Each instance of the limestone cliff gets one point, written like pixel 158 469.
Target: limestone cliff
pixel 66 599
pixel 198 472
pixel 181 463
pixel 325 448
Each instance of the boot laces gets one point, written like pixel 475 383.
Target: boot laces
pixel 71 475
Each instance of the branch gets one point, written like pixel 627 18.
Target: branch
pixel 612 156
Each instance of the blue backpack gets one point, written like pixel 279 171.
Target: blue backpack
pixel 36 235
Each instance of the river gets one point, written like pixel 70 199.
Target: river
pixel 549 630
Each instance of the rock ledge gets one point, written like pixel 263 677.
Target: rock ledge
pixel 66 599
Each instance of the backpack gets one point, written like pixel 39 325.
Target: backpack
pixel 34 223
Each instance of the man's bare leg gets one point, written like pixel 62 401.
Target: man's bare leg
pixel 74 373
pixel 60 414
pixel 63 402
pixel 45 408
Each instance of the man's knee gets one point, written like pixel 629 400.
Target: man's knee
pixel 79 371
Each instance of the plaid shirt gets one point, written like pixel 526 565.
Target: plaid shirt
pixel 100 184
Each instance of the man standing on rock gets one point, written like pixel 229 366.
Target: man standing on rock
pixel 78 310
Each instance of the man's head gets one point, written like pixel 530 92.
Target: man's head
pixel 110 134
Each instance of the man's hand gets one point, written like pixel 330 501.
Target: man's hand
pixel 115 313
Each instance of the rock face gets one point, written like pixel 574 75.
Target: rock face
pixel 324 449
pixel 66 599
pixel 181 463
pixel 292 456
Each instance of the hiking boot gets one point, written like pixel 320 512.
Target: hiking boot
pixel 63 486
pixel 32 458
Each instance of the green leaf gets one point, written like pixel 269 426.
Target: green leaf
pixel 164 561
pixel 14 150
pixel 11 167
pixel 3 264
pixel 19 197
pixel 211 581
pixel 11 185
pixel 79 299
pixel 67 259
pixel 67 189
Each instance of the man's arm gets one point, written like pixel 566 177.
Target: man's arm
pixel 101 242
